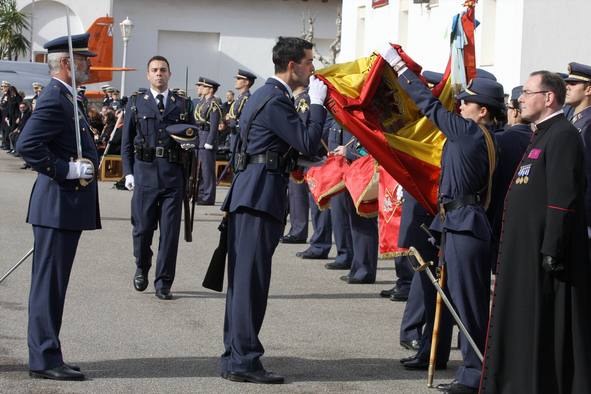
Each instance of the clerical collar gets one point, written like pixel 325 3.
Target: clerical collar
pixel 536 126
pixel 289 91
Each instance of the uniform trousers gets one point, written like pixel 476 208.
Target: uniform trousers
pixel 467 260
pixel 54 254
pixel 150 207
pixel 298 209
pixel 341 229
pixel 413 318
pixel 252 239
pixel 207 179
pixel 321 239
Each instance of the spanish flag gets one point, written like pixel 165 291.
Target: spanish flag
pixel 365 97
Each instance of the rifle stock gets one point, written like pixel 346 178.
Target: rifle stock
pixel 214 278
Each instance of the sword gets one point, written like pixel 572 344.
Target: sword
pixel 30 252
pixel 83 182
pixel 419 265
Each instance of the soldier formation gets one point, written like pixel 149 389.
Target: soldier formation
pixel 514 188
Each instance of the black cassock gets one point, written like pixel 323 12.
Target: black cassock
pixel 539 338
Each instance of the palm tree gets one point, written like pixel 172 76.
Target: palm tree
pixel 12 23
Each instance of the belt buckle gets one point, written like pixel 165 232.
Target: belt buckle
pixel 159 151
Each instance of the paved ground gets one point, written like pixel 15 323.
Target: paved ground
pixel 322 334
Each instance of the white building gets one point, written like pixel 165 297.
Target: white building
pixel 211 38
pixel 515 37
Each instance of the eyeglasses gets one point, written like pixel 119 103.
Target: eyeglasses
pixel 529 92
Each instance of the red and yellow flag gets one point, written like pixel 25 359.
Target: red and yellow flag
pixel 365 96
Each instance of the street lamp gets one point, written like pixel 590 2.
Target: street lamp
pixel 126 28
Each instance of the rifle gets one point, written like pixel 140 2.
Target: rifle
pixel 214 278
pixel 192 170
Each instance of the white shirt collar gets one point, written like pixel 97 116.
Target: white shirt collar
pixel 164 94
pixel 70 88
pixel 289 91
pixel 560 111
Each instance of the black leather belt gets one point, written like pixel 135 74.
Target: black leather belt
pixel 149 154
pixel 257 159
pixel 461 201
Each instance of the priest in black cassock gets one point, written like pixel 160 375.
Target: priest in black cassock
pixel 539 338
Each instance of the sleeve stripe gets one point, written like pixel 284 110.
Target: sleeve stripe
pixel 561 209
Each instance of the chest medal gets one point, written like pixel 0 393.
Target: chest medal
pixel 523 174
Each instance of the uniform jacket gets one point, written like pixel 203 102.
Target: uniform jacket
pixel 207 115
pixel 276 128
pixel 236 110
pixel 145 126
pixel 582 121
pixel 464 162
pixel 47 143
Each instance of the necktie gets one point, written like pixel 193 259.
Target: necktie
pixel 160 99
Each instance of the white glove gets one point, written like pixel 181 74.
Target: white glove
pixel 317 91
pixel 187 146
pixel 129 182
pixel 390 55
pixel 80 170
pixel 207 146
pixel 588 232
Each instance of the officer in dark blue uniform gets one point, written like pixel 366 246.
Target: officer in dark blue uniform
pixel 364 231
pixel 339 205
pixel 422 290
pixel 271 135
pixel 244 81
pixel 298 192
pixel 62 203
pixel 321 239
pixel 467 166
pixel 578 97
pixel 208 115
pixel 152 164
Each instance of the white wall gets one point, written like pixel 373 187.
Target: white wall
pixel 247 30
pixel 555 33
pixel 49 17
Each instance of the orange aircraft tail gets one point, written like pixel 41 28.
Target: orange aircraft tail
pixel 101 43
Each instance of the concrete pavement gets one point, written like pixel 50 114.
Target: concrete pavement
pixel 322 334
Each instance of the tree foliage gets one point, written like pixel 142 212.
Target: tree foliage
pixel 12 24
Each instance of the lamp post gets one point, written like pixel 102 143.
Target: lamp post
pixel 126 28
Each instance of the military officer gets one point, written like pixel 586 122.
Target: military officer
pixel 467 166
pixel 152 164
pixel 578 96
pixel 207 115
pixel 37 89
pixel 244 81
pixel 271 135
pixel 321 239
pixel 107 91
pixel 83 98
pixel 64 201
pixel 298 192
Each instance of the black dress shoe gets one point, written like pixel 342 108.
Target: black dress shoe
pixel 58 373
pixel 388 292
pixel 355 281
pixel 337 266
pixel 407 359
pixel 422 365
pixel 397 296
pixel 445 386
pixel 458 388
pixel 164 294
pixel 140 280
pixel 261 376
pixel 290 239
pixel 411 345
pixel 307 254
pixel 25 166
pixel 74 367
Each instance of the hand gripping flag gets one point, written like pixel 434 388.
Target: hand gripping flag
pixel 366 98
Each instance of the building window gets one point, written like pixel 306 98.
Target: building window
pixel 403 23
pixel 360 36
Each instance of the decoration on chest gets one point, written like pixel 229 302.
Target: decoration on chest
pixel 523 174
